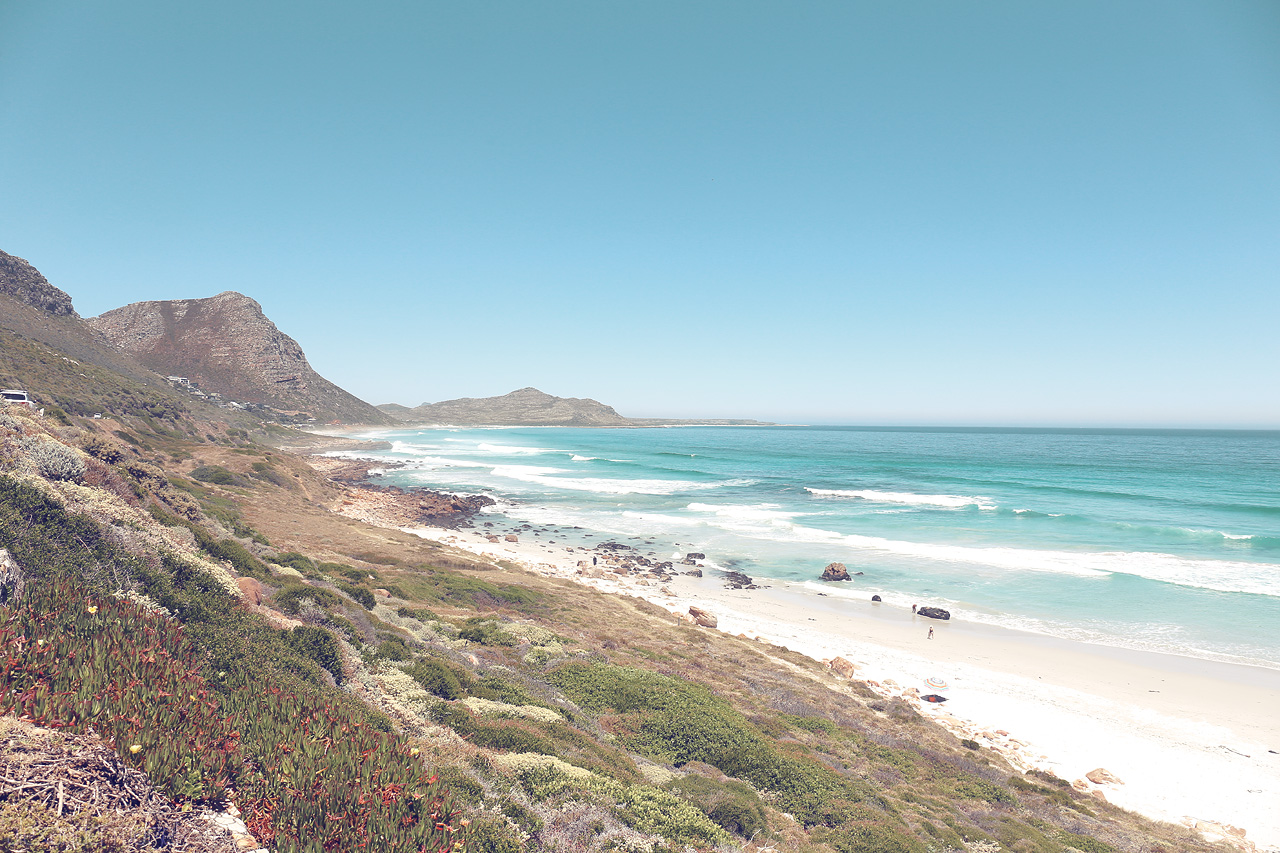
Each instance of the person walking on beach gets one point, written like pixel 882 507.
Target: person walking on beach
pixel 930 637
pixel 913 610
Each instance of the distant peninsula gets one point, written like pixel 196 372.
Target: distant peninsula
pixel 531 407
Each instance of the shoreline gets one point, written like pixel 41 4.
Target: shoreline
pixel 1060 705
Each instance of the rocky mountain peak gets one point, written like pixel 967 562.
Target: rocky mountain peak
pixel 226 345
pixel 25 283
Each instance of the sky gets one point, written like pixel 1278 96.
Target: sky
pixel 982 213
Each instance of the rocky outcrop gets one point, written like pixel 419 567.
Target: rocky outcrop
pixel 25 283
pixel 525 406
pixel 1103 776
pixel 835 572
pixel 227 346
pixel 703 618
pixel 842 667
pixel 934 612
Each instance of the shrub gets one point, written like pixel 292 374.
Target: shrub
pixel 676 721
pixel 475 593
pixel 99 448
pixel 359 594
pixel 233 552
pixel 498 689
pixel 294 560
pixel 290 598
pixel 393 648
pixel 968 743
pixel 439 679
pixel 52 460
pixel 486 632
pixel 318 645
pixel 217 475
pixel 494 836
pixel 979 789
pixel 733 806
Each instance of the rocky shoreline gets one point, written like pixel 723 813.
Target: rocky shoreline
pixel 394 506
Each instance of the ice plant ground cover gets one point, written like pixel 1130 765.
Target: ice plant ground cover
pixel 308 779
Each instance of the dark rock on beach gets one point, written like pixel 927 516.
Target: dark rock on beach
pixel 835 572
pixel 875 598
pixel 934 612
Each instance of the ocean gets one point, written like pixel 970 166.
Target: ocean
pixel 1159 540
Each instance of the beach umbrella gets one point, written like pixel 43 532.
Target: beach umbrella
pixel 936 682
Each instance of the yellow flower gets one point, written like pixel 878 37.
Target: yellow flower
pixel 93 608
pixel 414 751
pixel 136 748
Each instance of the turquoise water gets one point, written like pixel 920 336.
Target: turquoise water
pixel 1159 540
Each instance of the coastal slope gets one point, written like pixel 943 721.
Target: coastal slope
pixel 229 347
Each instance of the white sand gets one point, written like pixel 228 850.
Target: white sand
pixel 1193 742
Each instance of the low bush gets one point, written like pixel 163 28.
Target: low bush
pixel 733 806
pixel 294 560
pixel 359 594
pixel 440 679
pixel 486 632
pixel 290 598
pixel 676 721
pixel 99 448
pixel 472 592
pixel 218 476
pixel 51 459
pixel 318 645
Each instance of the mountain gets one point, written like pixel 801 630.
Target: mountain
pixel 49 351
pixel 528 406
pixel 227 346
pixel 24 283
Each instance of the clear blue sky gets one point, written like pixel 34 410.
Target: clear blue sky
pixel 934 213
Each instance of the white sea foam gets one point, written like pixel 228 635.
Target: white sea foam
pixel 541 476
pixel 577 458
pixel 769 513
pixel 510 449
pixel 432 463
pixel 949 501
pixel 1220 575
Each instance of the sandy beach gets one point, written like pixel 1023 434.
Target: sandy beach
pixel 1177 739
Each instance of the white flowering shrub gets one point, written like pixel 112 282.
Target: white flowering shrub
pixel 491 708
pixel 52 460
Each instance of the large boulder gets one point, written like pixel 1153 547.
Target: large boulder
pixel 842 667
pixel 835 572
pixel 251 590
pixel 934 612
pixel 703 618
pixel 1102 776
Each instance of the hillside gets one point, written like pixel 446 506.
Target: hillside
pixel 527 406
pixel 326 669
pixel 227 346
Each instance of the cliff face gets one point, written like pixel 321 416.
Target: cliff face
pixel 228 346
pixel 25 283
pixel 526 406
